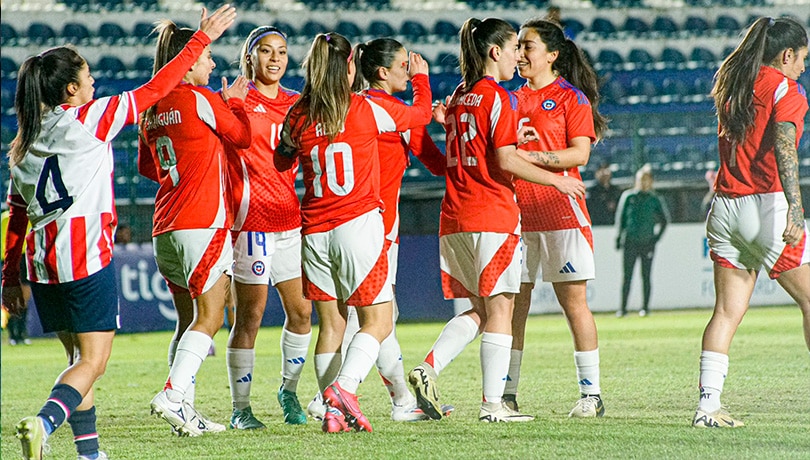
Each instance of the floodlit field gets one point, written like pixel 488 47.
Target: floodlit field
pixel 649 383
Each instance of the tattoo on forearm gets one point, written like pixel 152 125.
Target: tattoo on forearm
pixel 787 162
pixel 545 158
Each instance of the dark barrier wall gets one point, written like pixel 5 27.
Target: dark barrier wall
pixel 146 304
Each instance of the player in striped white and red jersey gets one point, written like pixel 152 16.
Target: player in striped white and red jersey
pixel 62 182
pixel 480 224
pixel 333 133
pixel 182 148
pixel 382 66
pixel 558 103
pixel 756 219
pixel 266 234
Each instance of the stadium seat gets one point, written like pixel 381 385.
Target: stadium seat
pixel 445 30
pixel 283 26
pixel 110 67
pixel 312 28
pixel 612 91
pixel 572 27
pixel 111 33
pixel 674 86
pixel 635 27
pixel 640 58
pixel 602 27
pixel 664 26
pixel 727 24
pixel 8 35
pixel 75 32
pixel 643 87
pixel 349 30
pixel 413 30
pixel 40 33
pixel 672 58
pixel 8 68
pixel 696 25
pixel 143 66
pixel 380 29
pixel 446 62
pixel 702 56
pixel 143 32
pixel 243 29
pixel 609 59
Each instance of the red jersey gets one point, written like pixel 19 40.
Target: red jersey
pixel 188 158
pixel 559 112
pixel 750 167
pixel 393 148
pixel 64 183
pixel 264 199
pixel 342 177
pixel 480 196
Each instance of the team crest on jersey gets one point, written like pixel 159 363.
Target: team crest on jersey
pixel 549 104
pixel 258 268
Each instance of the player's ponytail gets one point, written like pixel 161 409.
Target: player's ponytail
pixel 170 41
pixel 41 84
pixel 733 90
pixel 477 37
pixel 326 95
pixel 369 57
pixel 572 65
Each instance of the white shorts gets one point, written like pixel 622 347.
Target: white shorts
pixel 560 255
pixel 479 264
pixel 260 257
pixel 348 263
pixel 746 233
pixel 194 259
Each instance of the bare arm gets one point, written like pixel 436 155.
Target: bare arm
pixel 787 162
pixel 511 162
pixel 577 154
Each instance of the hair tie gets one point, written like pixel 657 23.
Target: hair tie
pixel 771 22
pixel 328 37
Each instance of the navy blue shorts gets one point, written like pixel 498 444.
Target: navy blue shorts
pixel 86 305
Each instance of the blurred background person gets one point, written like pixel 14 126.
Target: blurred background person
pixel 603 196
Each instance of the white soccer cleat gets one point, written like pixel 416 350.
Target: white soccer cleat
pixel 717 419
pixel 180 415
pixel 101 456
pixel 205 424
pixel 316 408
pixel 492 412
pixel 588 407
pixel 407 413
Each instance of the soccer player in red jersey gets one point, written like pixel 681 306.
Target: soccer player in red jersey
pixel 479 232
pixel 756 219
pixel 266 233
pixel 559 103
pixel 333 133
pixel 61 168
pixel 181 147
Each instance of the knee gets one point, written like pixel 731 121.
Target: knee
pixel 299 317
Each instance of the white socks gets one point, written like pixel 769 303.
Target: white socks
pixel 327 366
pixel 495 350
pixel 239 362
pixel 713 370
pixel 360 357
pixel 389 363
pixel 456 335
pixel 515 360
pixel 294 348
pixel 191 352
pixel 587 363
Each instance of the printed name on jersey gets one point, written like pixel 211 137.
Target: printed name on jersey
pixel 258 268
pixel 549 104
pixel 170 117
pixel 470 99
pixel 320 132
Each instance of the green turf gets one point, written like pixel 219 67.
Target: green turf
pixel 649 383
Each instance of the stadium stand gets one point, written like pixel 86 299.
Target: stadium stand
pixel 75 33
pixel 8 35
pixel 40 34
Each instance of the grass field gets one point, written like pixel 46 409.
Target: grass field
pixel 649 383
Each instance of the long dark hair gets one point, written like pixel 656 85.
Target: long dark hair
pixel 41 85
pixel 327 94
pixel 477 37
pixel 733 89
pixel 370 56
pixel 171 39
pixel 572 65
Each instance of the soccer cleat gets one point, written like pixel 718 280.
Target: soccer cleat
pixel 447 409
pixel 205 424
pixel 408 413
pixel 101 456
pixel 588 406
pixel 334 421
pixel 33 437
pixel 346 402
pixel 642 313
pixel 423 380
pixel 492 412
pixel 293 414
pixel 180 415
pixel 511 402
pixel 245 420
pixel 717 419
pixel 316 408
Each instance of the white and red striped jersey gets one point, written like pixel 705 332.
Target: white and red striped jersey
pixel 750 167
pixel 480 196
pixel 65 180
pixel 183 149
pixel 342 177
pixel 264 198
pixel 558 112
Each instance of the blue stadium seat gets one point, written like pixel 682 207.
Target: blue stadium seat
pixel 673 58
pixel 40 33
pixel 445 30
pixel 285 27
pixel 143 32
pixel 143 66
pixel 75 32
pixel 243 29
pixel 313 28
pixel 609 59
pixel 612 91
pixel 703 56
pixel 643 87
pixel 572 27
pixel 446 62
pixel 676 87
pixel 664 26
pixel 603 27
pixel 8 35
pixel 640 58
pixel 8 69
pixel 110 67
pixel 635 27
pixel 380 29
pixel 413 30
pixel 111 33
pixel 349 30
pixel 696 25
pixel 727 24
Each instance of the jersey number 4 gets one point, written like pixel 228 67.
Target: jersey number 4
pixel 53 175
pixel 334 151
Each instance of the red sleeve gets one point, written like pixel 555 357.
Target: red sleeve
pixel 146 162
pixel 792 107
pixel 504 132
pixel 579 120
pixel 402 117
pixel 171 74
pixel 15 237
pixel 426 151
